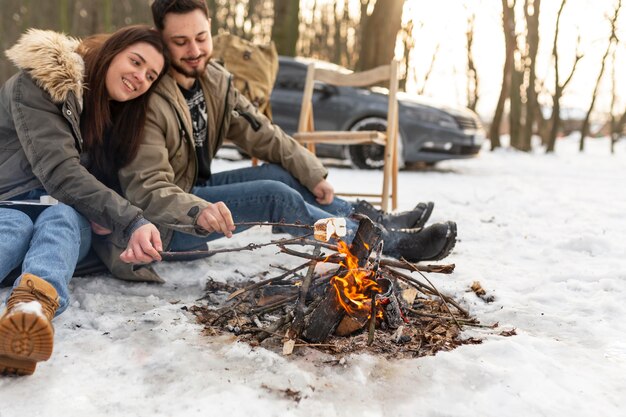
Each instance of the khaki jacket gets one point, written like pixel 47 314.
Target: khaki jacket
pixel 160 179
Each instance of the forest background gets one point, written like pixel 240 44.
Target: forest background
pixel 528 67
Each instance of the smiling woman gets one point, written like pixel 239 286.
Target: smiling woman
pixel 48 121
pixel 130 62
pixel 133 71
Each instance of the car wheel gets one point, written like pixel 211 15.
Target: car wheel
pixel 371 156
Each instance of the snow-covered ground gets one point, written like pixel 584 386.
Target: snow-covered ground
pixel 542 233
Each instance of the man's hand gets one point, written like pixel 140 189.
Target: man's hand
pixel 217 218
pixel 324 192
pixel 144 245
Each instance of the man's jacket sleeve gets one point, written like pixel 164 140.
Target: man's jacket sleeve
pixel 255 134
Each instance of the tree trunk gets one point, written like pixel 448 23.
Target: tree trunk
pixel 508 25
pixel 515 111
pixel 379 34
pixel 531 12
pixel 472 90
pixel 555 120
pixel 285 28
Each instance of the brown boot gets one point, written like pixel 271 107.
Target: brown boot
pixel 26 332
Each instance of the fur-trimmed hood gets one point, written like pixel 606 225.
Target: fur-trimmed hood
pixel 52 60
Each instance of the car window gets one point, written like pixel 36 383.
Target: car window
pixel 291 77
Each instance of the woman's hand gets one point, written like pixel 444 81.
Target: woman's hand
pixel 144 245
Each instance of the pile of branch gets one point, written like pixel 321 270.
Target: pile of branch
pixel 297 308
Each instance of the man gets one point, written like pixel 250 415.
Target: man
pixel 194 108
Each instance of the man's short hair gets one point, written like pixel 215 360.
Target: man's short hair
pixel 160 8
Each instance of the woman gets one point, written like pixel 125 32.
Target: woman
pixel 71 107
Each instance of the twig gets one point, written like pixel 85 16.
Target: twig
pixel 274 327
pixel 298 322
pixel 194 228
pixel 421 286
pixel 274 306
pixel 337 258
pixel 280 224
pixel 228 310
pixel 438 293
pixel 372 321
pixel 376 271
pixel 198 254
pixel 267 281
pixel 278 304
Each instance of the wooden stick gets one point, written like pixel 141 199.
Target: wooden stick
pixel 372 322
pixel 438 293
pixel 298 322
pixel 421 286
pixel 192 228
pixel 442 269
pixel 267 281
pixel 279 224
pixel 338 258
pixel 198 254
pixel 373 312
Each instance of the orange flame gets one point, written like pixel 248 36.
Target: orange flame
pixel 354 289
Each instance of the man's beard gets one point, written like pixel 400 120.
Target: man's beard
pixel 194 73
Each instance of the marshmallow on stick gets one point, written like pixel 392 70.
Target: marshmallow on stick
pixel 326 229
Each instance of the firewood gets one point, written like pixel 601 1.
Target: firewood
pixel 295 331
pixel 325 318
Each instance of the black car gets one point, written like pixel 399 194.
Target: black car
pixel 428 133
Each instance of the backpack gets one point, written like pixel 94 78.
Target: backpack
pixel 254 67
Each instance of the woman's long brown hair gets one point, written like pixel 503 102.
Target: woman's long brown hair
pixel 112 130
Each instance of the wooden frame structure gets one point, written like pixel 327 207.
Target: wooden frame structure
pixel 308 136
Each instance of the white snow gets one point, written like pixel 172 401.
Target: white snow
pixel 542 233
pixel 31 307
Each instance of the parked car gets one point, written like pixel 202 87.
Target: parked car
pixel 428 133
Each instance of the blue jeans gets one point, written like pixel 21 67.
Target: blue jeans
pixel 48 244
pixel 266 193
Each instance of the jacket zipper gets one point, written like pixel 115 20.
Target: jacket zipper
pixel 254 123
pixel 220 139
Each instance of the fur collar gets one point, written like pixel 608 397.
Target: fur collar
pixel 52 61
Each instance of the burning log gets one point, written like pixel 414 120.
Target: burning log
pixel 329 313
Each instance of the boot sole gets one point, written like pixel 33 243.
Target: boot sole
pixel 25 337
pixel 425 215
pixel 450 243
pixel 17 367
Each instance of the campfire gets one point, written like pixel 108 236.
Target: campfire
pixel 350 299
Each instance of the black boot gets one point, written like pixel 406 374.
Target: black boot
pixel 429 244
pixel 405 220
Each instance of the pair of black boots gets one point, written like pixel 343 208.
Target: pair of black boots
pixel 406 237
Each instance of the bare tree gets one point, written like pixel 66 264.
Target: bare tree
pixel 613 40
pixel 531 13
pixel 429 71
pixel 408 43
pixel 515 103
pixel 615 128
pixel 380 30
pixel 472 81
pixel 508 25
pixel 558 86
pixel 285 27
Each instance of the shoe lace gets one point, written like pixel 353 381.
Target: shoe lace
pixel 23 294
